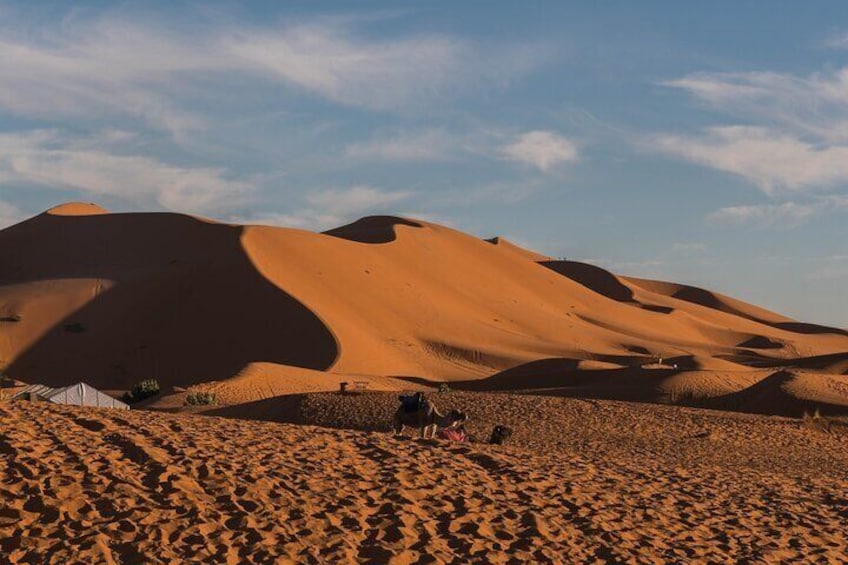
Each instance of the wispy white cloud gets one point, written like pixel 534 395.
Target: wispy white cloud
pixel 117 65
pixel 775 162
pixel 350 69
pixel 837 41
pixel 762 215
pixel 331 208
pixel 786 214
pixel 101 68
pixel 497 192
pixel 51 159
pixel 543 150
pixel 539 149
pixel 355 199
pixel 794 139
pixel 813 106
pixel 420 145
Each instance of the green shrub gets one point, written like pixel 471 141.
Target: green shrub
pixel 199 398
pixel 444 387
pixel 142 390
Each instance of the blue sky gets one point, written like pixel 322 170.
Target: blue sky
pixel 705 144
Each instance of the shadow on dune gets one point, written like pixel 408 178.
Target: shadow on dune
pixel 372 229
pixel 563 377
pixel 810 329
pixel 769 396
pixel 594 278
pixel 284 409
pixel 833 363
pixel 602 282
pixel 707 299
pixel 760 342
pixel 186 306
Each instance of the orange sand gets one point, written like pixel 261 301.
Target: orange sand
pixel 255 311
pixel 101 486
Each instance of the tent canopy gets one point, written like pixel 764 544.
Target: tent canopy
pixel 79 394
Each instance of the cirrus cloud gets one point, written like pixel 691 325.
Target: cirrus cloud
pixel 776 162
pixel 331 207
pixel 50 159
pixel 786 214
pixel 543 150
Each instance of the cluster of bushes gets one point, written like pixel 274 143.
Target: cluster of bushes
pixel 142 390
pixel 199 398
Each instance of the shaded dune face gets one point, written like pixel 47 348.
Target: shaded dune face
pixel 373 229
pixel 785 392
pixel 594 278
pixel 156 296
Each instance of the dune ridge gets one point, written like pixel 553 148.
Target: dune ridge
pixel 116 298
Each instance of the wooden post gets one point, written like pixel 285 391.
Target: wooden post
pixel 343 388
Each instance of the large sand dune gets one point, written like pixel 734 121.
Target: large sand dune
pixel 257 311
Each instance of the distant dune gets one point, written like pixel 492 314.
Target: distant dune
pixel 256 312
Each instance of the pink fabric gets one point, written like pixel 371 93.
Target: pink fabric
pixel 452 434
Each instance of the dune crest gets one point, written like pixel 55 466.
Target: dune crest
pixel 77 209
pixel 510 247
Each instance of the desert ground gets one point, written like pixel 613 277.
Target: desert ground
pixel 602 483
pixel 653 421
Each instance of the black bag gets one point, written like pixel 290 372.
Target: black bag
pixel 500 434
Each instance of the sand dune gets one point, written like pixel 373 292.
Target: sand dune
pixel 272 320
pixel 109 298
pixel 257 311
pixel 619 486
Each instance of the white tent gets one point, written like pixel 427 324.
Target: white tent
pixel 79 394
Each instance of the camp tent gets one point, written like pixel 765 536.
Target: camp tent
pixel 79 394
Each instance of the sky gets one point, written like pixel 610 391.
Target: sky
pixel 703 143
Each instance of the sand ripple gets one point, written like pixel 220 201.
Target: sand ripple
pixel 82 485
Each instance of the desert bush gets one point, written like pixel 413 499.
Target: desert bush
pixel 444 387
pixel 199 398
pixel 817 422
pixel 142 390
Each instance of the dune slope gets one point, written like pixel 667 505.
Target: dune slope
pixel 114 298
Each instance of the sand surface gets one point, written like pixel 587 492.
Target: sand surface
pixel 254 312
pixel 93 485
pixel 283 469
